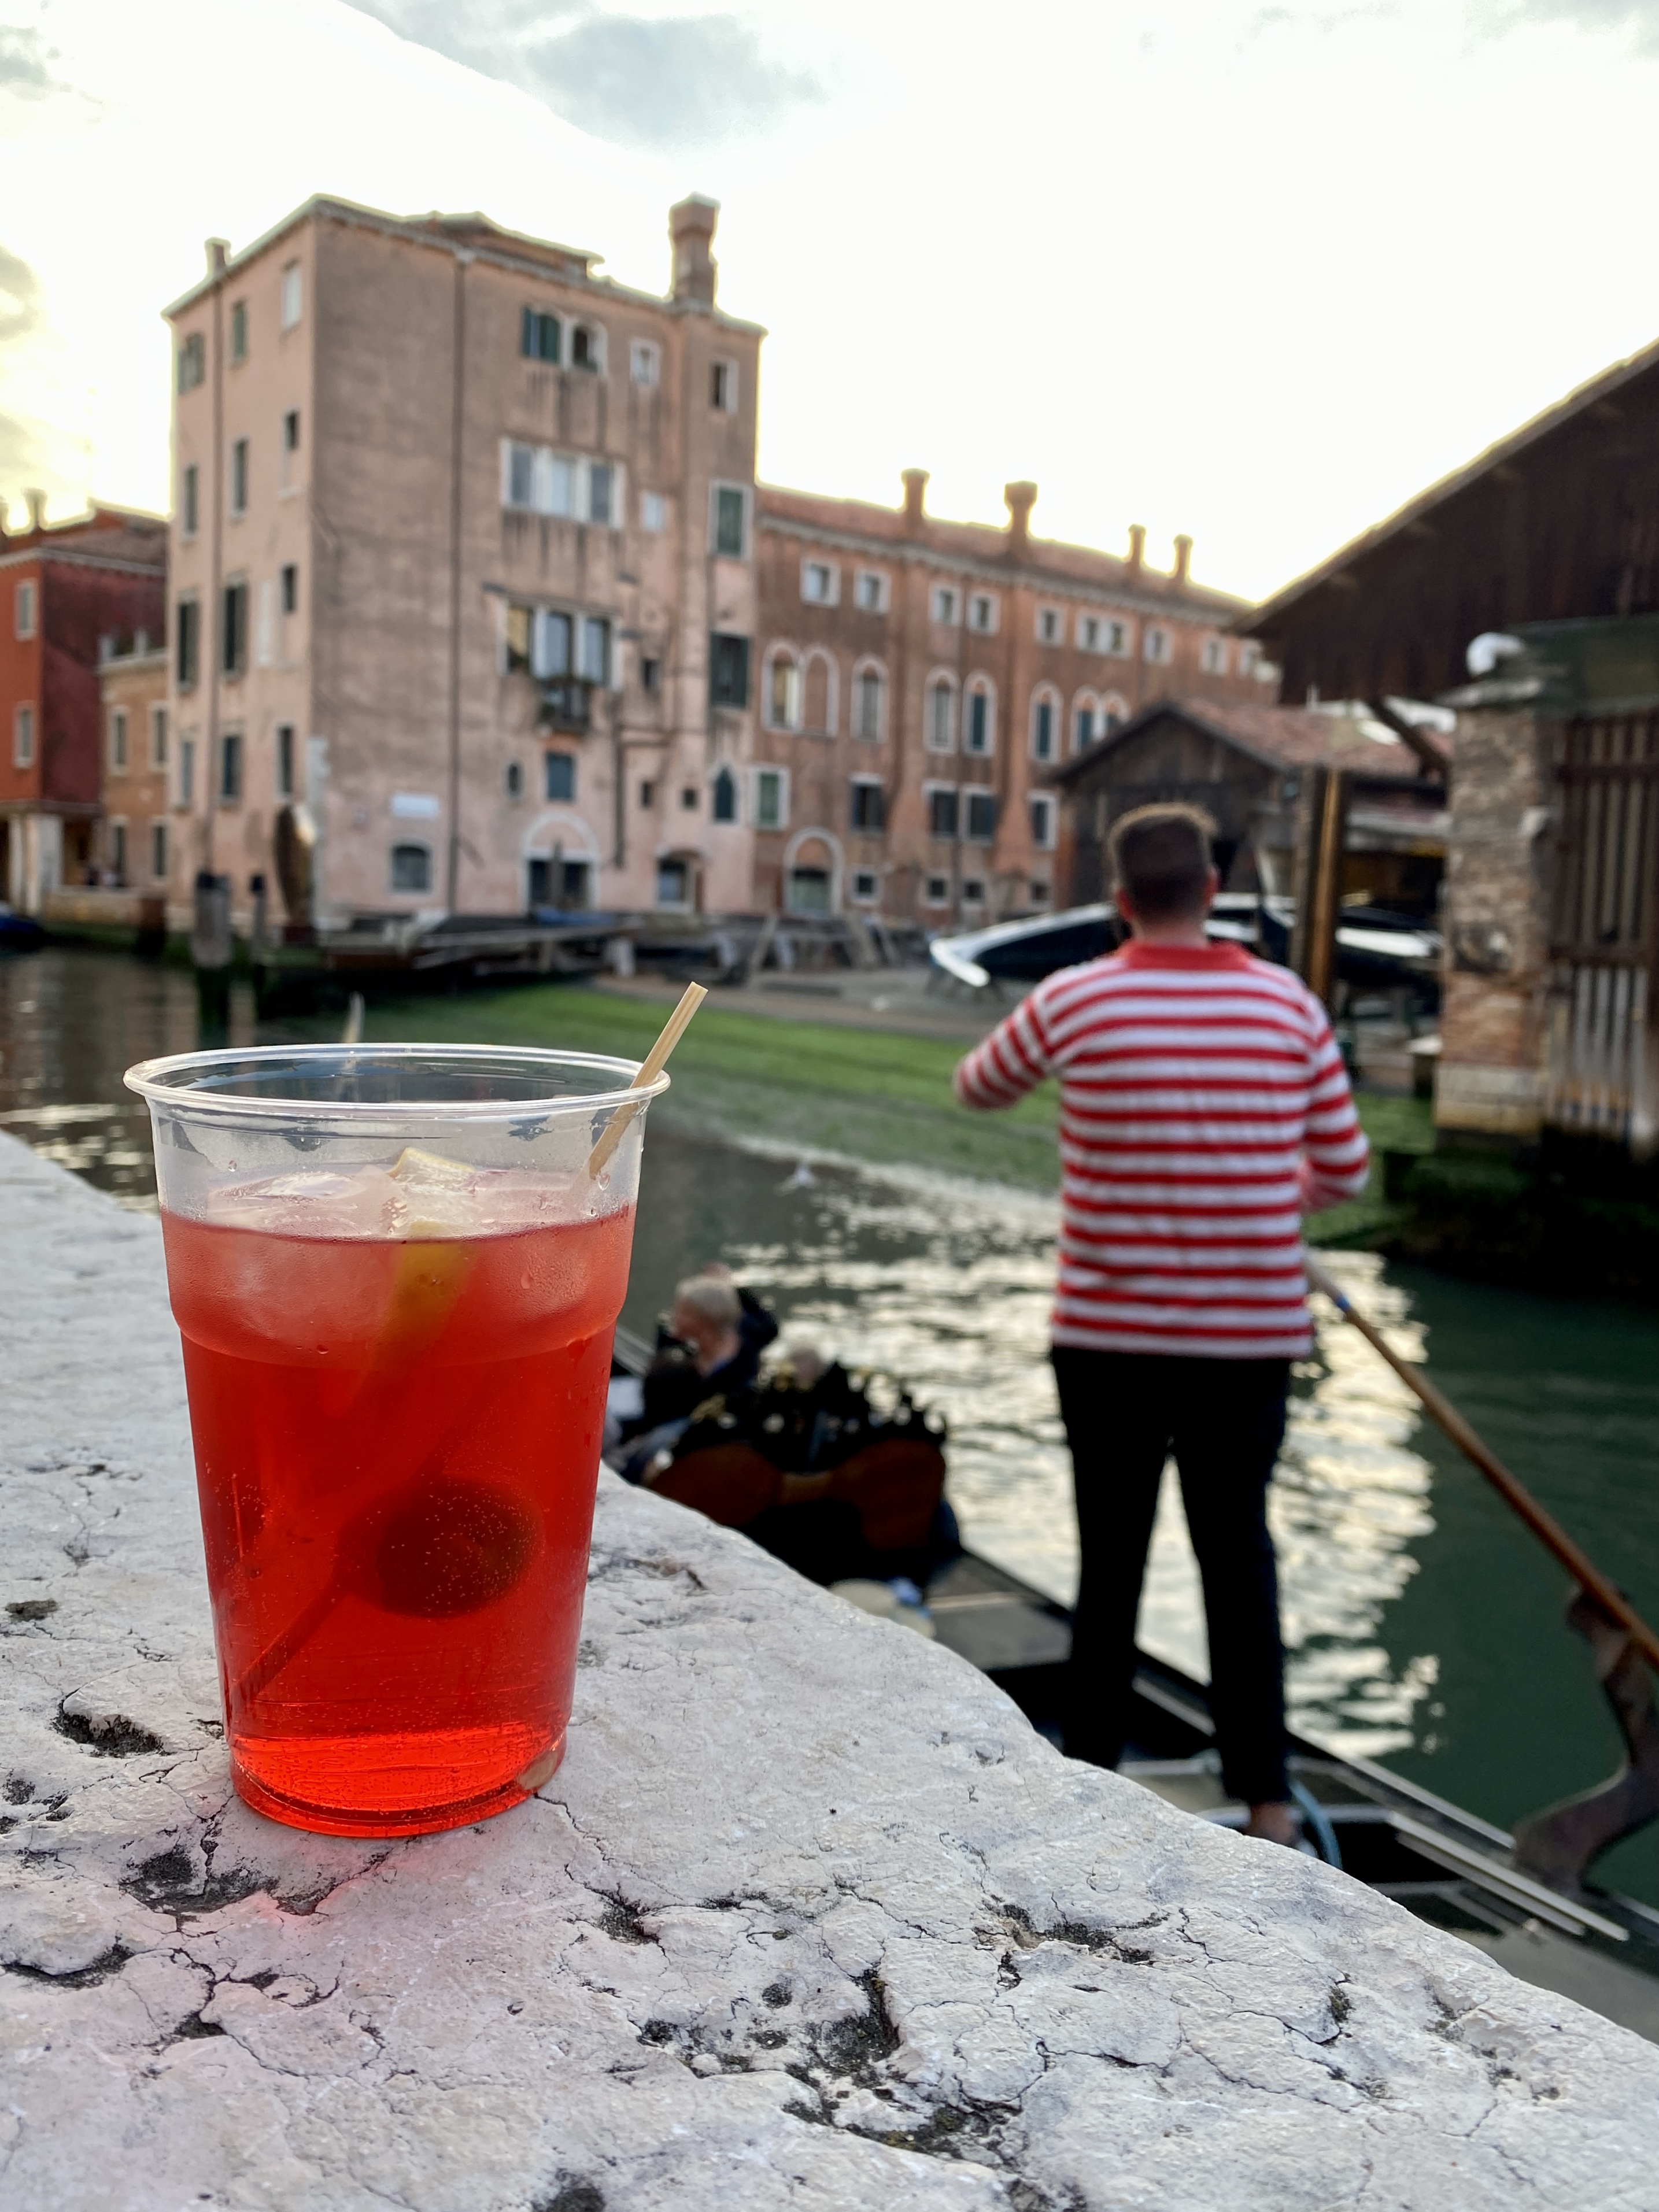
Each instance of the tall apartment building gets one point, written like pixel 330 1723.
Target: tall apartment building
pixel 462 570
pixel 920 681
pixel 69 592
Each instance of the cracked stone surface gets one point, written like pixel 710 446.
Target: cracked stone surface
pixel 808 1917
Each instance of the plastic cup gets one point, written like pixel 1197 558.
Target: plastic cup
pixel 397 1282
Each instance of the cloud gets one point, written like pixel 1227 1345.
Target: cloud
pixel 1641 16
pixel 21 309
pixel 23 66
pixel 671 84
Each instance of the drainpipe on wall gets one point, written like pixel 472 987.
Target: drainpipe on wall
pixel 210 626
pixel 457 382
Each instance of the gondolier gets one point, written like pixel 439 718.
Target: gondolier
pixel 1205 1108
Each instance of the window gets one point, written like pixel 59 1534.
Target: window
pixel 187 641
pixel 771 799
pixel 1158 645
pixel 809 890
pixel 158 850
pixel 783 693
pixel 238 332
pixel 1049 626
pixel 520 487
pixel 117 738
pixel 293 295
pixel 289 449
pixel 538 336
pixel 238 476
pixel 820 583
pixel 944 604
pixel 867 805
pixel 647 796
pixel 23 736
pixel 1037 891
pixel 285 760
pixel 234 634
pixel 411 868
pixel 976 732
pixel 941 800
pixel 941 715
pixel 1083 725
pixel 723 806
pixel 645 361
pixel 728 670
pixel 158 737
pixel 1119 641
pixel 545 483
pixel 514 780
pixel 982 613
pixel 118 851
pixel 594 662
pixel 1042 727
pixel 601 484
pixel 1214 657
pixel 654 512
pixel 869 702
pixel 190 500
pixel 192 361
pixel 864 884
pixel 186 771
pixel 650 673
pixel 24 604
pixel 982 824
pixel 723 386
pixel 871 591
pixel 1249 653
pixel 673 884
pixel 1113 715
pixel 731 520
pixel 560 775
pixel 1042 821
pixel 972 890
pixel 688 796
pixel 938 892
pixel 230 769
pixel 290 588
pixel 587 347
pixel 1090 633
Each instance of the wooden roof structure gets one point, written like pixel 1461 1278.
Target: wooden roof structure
pixel 1559 519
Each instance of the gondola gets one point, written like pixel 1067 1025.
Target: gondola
pixel 1449 1867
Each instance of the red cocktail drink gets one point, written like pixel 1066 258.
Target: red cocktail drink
pixel 397 1381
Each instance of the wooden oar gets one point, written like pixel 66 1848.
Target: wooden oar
pixel 1604 1595
pixel 650 1068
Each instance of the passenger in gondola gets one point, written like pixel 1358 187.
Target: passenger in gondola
pixel 711 1347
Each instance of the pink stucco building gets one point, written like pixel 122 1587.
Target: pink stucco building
pixel 462 570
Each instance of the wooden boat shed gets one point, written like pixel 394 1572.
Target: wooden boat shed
pixel 1542 555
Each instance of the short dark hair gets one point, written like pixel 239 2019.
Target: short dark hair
pixel 1161 859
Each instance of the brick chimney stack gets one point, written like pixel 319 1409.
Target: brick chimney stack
pixel 691 226
pixel 1183 559
pixel 1020 499
pixel 916 491
pixel 1136 547
pixel 218 255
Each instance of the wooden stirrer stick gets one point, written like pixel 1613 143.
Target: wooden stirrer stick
pixel 651 1066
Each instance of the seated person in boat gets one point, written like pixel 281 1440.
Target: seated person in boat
pixel 711 1348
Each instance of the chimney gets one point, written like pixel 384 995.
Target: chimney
pixel 1020 499
pixel 1136 547
pixel 36 502
pixel 915 490
pixel 1183 559
pixel 4 511
pixel 691 226
pixel 218 253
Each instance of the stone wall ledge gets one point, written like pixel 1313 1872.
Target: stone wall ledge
pixel 810 1916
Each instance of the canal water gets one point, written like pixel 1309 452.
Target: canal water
pixel 1424 1626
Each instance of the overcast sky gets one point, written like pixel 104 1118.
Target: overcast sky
pixel 1255 271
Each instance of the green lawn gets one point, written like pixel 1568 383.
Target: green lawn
pixel 865 1093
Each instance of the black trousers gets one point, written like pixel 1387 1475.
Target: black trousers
pixel 1224 1420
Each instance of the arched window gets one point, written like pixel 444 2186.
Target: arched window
pixel 1045 723
pixel 979 716
pixel 724 796
pixel 818 694
pixel 1085 721
pixel 1114 714
pixel 411 868
pixel 869 701
pixel 783 688
pixel 941 732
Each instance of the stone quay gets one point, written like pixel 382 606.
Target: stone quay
pixel 810 1916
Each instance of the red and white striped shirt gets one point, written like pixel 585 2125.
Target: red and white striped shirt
pixel 1193 1080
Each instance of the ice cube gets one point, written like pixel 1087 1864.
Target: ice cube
pixel 430 1171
